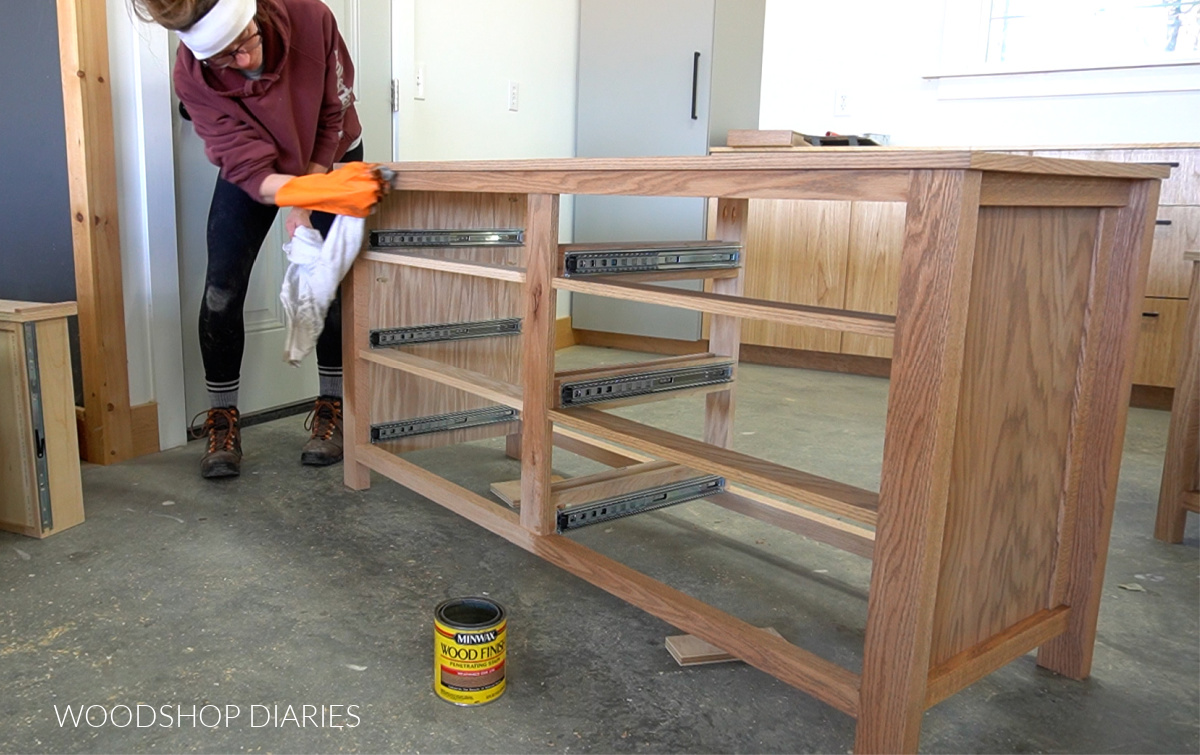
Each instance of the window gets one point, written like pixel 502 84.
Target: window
pixel 1037 48
pixel 1067 34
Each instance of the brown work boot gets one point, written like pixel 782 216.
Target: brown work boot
pixel 325 422
pixel 223 457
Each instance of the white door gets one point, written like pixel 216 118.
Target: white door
pixel 267 381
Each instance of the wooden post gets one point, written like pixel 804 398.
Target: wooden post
pixel 1181 467
pixel 91 167
pixel 356 398
pixel 935 279
pixel 537 365
pixel 724 331
pixel 1123 250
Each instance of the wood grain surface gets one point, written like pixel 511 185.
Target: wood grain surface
pixel 873 269
pixel 828 495
pixel 935 276
pixel 404 295
pixel 1028 298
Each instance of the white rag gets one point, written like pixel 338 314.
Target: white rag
pixel 311 280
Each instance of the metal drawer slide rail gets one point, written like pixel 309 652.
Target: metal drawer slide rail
pixel 642 383
pixel 639 502
pixel 37 419
pixel 400 238
pixel 650 259
pixel 388 431
pixel 386 337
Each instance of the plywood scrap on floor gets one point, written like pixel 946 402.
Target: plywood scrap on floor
pixel 688 650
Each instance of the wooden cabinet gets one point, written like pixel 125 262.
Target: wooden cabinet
pixel 1160 340
pixel 850 256
pixel 40 488
pixel 1176 232
pixel 1016 281
pixel 839 254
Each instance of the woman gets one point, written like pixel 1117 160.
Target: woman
pixel 268 85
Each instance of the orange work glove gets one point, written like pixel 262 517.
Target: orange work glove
pixel 352 189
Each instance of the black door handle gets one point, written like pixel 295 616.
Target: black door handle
pixel 695 84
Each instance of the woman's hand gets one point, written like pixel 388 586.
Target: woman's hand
pixel 297 217
pixel 352 189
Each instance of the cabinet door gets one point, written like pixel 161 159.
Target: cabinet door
pixel 1178 231
pixel 1159 341
pixel 1181 187
pixel 796 253
pixel 873 269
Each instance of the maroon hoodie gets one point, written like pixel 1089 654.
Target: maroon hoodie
pixel 300 111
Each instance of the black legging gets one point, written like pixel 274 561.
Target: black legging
pixel 237 226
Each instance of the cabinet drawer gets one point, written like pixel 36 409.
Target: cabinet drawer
pixel 1156 359
pixel 1178 232
pixel 1183 185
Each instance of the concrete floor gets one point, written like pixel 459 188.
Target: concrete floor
pixel 283 588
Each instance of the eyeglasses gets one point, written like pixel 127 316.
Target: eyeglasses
pixel 229 57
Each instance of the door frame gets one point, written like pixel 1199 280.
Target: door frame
pixel 144 176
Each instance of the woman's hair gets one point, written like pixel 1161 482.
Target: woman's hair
pixel 175 15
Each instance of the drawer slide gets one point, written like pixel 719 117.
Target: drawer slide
pixel 388 431
pixel 387 337
pixel 639 502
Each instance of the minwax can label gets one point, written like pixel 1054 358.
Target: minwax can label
pixel 469 650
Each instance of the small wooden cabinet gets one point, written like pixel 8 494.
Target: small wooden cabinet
pixel 40 489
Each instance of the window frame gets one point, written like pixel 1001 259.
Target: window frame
pixel 962 72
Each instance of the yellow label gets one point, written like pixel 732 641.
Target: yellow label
pixel 468 666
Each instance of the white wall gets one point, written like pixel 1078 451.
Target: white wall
pixel 470 50
pixel 879 51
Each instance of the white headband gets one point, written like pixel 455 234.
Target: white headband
pixel 219 27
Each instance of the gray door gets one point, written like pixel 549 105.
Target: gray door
pixel 636 64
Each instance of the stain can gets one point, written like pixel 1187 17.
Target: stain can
pixel 469 639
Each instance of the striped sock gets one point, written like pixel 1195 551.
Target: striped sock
pixel 330 381
pixel 223 395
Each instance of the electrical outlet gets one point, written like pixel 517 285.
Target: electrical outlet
pixel 419 94
pixel 841 102
pixel 514 96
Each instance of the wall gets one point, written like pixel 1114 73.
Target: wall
pixel 36 251
pixel 470 50
pixel 879 52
